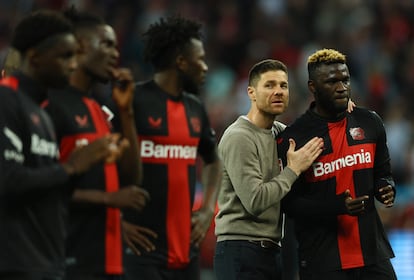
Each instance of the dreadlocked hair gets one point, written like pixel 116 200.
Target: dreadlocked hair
pixel 324 56
pixel 37 27
pixel 167 38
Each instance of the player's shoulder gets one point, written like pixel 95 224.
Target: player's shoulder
pixel 146 88
pixel 7 92
pixel 8 88
pixel 190 97
pixel 239 130
pixel 61 97
pixel 362 112
pixel 58 93
pixel 147 91
pixel 299 125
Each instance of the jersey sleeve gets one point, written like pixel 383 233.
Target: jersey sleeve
pixel 382 163
pixel 16 176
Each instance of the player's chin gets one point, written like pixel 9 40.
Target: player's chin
pixel 59 82
pixel 341 102
pixel 201 82
pixel 104 77
pixel 278 110
pixel 278 106
pixel 341 106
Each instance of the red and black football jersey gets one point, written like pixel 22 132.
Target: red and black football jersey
pixel 355 157
pixel 33 191
pixel 172 132
pixel 94 241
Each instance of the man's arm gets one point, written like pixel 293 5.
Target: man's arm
pixel 130 163
pixel 127 197
pixel 384 188
pixel 123 94
pixel 17 178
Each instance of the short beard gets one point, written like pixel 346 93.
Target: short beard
pixel 188 84
pixel 96 78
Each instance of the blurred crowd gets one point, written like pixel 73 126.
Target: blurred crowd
pixel 376 35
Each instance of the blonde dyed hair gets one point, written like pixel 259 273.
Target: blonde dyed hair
pixel 324 56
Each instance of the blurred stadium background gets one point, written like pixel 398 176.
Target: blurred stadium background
pixel 376 35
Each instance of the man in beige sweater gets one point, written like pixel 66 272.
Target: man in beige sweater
pixel 249 223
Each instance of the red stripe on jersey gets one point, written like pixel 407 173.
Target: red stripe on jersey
pixel 178 151
pixel 178 201
pixel 113 246
pixel 341 163
pixel 10 82
pixel 113 250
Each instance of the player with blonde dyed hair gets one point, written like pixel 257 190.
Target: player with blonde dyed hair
pixel 333 206
pixel 326 56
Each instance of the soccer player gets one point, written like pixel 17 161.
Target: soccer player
pixel 33 185
pixel 94 245
pixel 173 128
pixel 337 226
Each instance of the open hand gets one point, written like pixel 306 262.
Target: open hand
pixel 136 235
pixel 200 223
pixel 301 159
pixel 123 88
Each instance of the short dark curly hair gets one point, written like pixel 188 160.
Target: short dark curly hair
pixel 38 26
pixel 82 20
pixel 167 38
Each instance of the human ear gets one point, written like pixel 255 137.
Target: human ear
pixel 181 62
pixel 251 92
pixel 33 57
pixel 81 46
pixel 311 86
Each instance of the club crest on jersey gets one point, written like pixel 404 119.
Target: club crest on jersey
pixel 155 123
pixel 357 133
pixel 82 121
pixel 195 124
